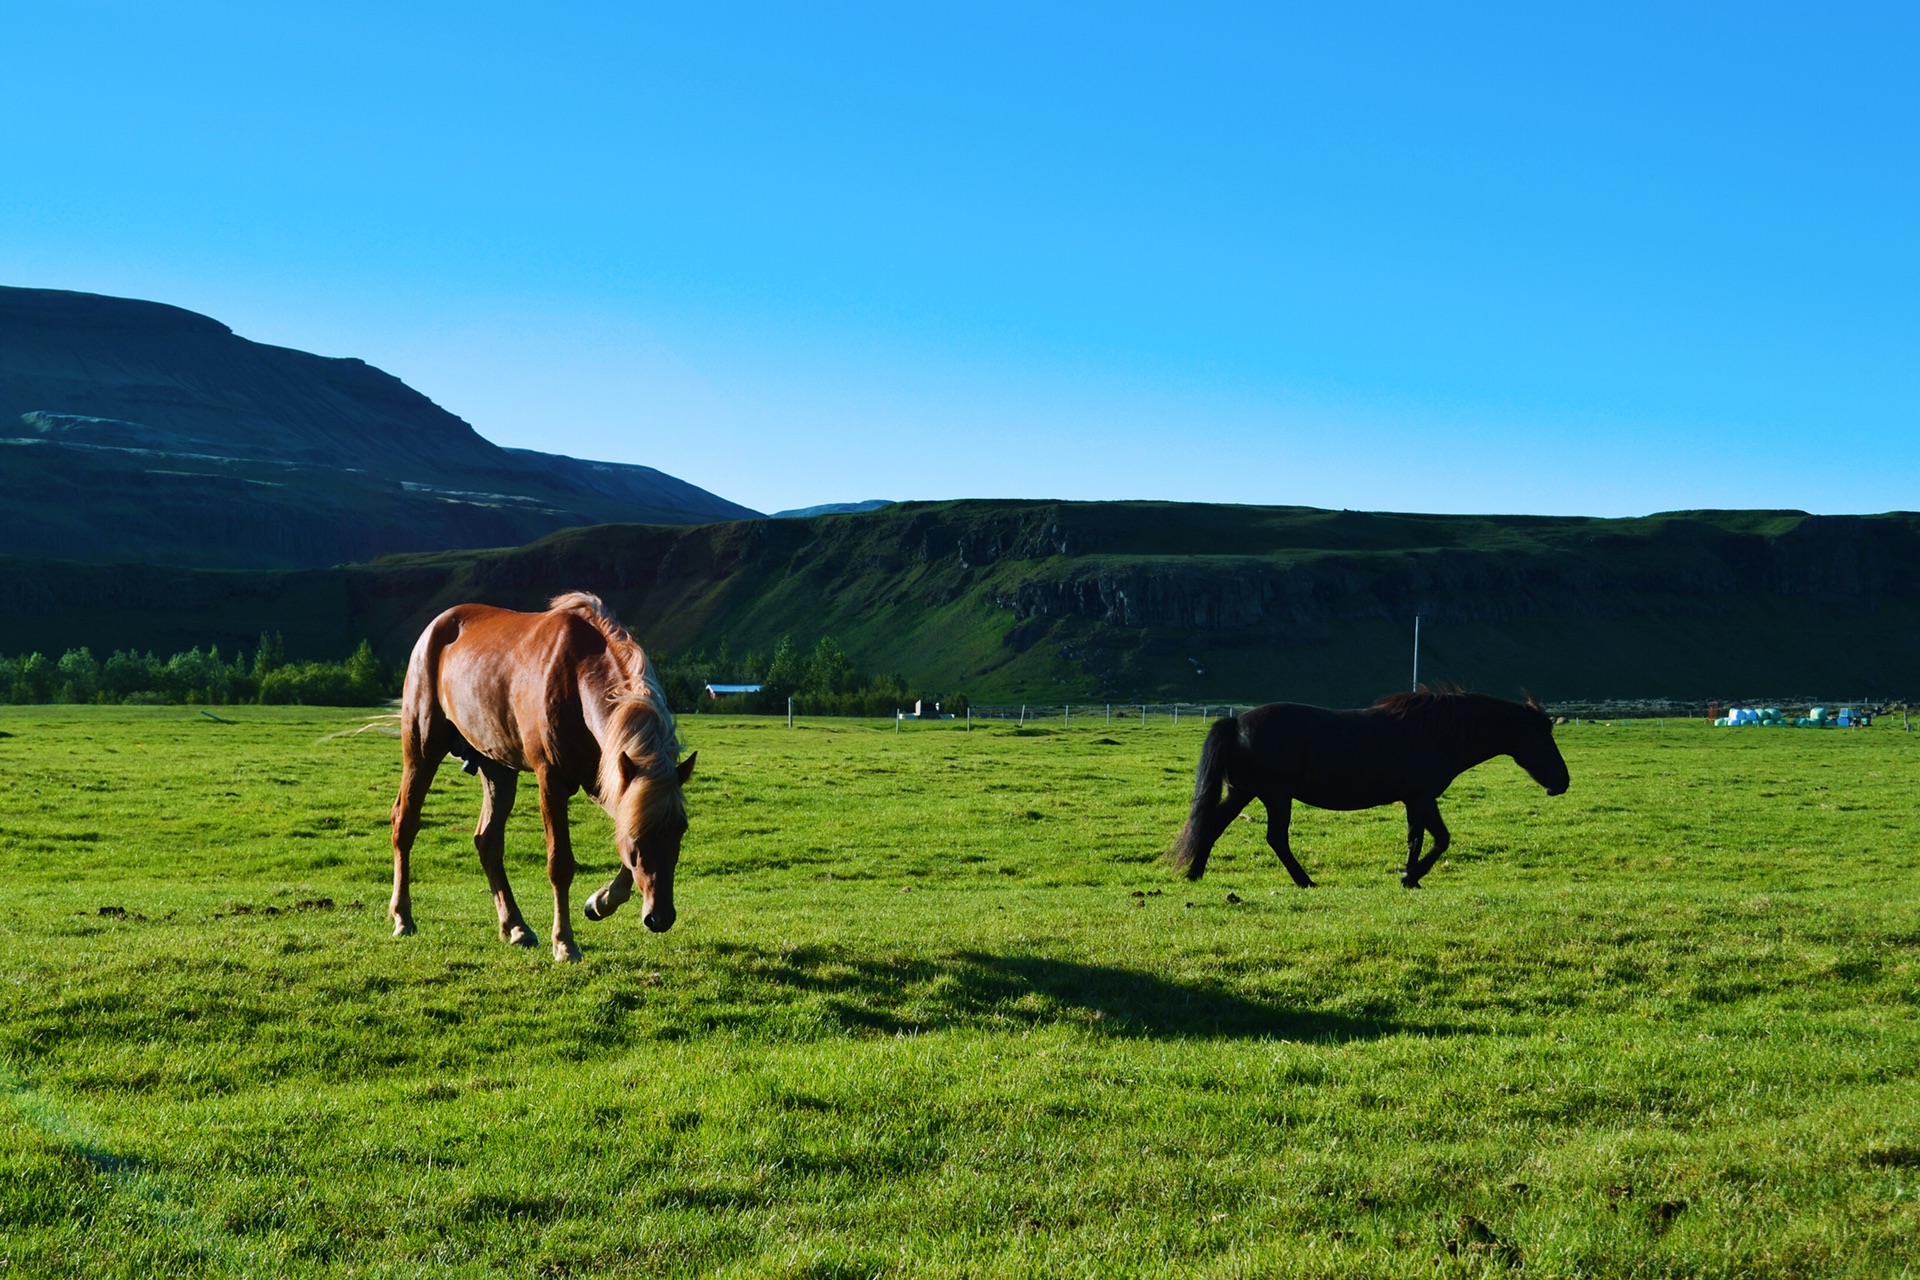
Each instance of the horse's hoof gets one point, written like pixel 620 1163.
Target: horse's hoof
pixel 565 952
pixel 521 936
pixel 1406 883
pixel 403 928
pixel 602 903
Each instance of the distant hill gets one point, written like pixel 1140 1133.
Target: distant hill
pixel 1049 601
pixel 135 431
pixel 834 509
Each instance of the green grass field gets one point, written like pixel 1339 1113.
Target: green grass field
pixel 916 1018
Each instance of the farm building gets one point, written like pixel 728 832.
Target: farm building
pixel 728 690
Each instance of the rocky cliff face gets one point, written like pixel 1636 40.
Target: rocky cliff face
pixel 1128 600
pixel 1069 568
pixel 141 432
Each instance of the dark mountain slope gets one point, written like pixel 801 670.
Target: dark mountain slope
pixel 135 431
pixel 1118 601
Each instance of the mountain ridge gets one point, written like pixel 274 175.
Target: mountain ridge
pixel 137 430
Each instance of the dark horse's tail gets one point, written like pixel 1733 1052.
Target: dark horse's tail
pixel 1195 841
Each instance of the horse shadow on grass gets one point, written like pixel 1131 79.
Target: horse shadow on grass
pixel 903 995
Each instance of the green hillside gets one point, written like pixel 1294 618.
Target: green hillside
pixel 1050 601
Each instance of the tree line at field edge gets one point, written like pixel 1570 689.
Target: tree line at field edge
pixel 200 677
pixel 825 682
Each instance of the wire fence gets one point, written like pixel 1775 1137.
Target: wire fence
pixel 1068 714
pixel 1200 714
pixel 1673 709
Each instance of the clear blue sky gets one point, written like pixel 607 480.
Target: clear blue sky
pixel 1604 260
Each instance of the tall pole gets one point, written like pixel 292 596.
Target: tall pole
pixel 1416 653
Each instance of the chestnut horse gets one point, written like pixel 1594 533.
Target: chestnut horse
pixel 1408 747
pixel 569 696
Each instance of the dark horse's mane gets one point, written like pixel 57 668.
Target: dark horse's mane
pixel 1448 711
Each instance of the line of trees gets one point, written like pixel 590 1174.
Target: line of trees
pixel 200 677
pixel 824 682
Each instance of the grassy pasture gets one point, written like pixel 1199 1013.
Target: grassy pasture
pixel 914 1020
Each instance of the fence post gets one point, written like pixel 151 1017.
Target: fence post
pixel 1023 715
pixel 1109 715
pixel 1066 716
pixel 969 717
pixel 1176 715
pixel 897 718
pixel 789 713
pixel 1143 713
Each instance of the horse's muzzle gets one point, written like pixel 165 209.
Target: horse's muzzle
pixel 1556 791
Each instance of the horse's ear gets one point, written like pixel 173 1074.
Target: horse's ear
pixel 627 770
pixel 685 768
pixel 1532 701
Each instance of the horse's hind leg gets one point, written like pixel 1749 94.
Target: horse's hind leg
pixel 498 785
pixel 1423 816
pixel 424 735
pixel 554 795
pixel 1279 819
pixel 420 760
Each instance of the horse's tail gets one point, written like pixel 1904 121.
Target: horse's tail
pixel 420 711
pixel 1195 841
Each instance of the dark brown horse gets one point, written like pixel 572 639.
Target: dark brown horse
pixel 568 696
pixel 1408 747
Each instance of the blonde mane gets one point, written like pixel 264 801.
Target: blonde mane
pixel 640 724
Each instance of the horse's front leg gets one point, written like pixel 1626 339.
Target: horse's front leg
pixel 1279 819
pixel 606 900
pixel 554 795
pixel 498 786
pixel 1423 816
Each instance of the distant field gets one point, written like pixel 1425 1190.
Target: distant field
pixel 914 1021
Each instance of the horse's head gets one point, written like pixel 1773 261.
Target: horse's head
pixel 1536 751
pixel 649 821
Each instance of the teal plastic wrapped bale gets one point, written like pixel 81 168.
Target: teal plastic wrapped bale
pixel 1818 715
